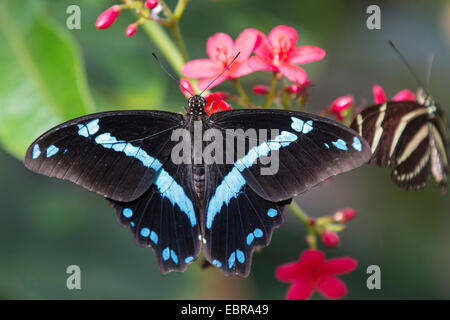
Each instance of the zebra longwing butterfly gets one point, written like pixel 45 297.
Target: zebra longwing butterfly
pixel 408 136
pixel 228 207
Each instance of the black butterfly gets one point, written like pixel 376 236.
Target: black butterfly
pixel 408 136
pixel 229 208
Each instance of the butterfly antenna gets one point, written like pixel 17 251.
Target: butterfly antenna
pixel 411 70
pixel 223 71
pixel 170 75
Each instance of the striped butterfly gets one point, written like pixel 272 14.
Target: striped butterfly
pixel 408 136
pixel 228 207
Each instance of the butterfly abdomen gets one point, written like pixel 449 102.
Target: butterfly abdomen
pixel 199 180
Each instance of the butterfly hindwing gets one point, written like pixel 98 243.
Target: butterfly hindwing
pixel 236 221
pixel 166 218
pixel 116 154
pixel 310 149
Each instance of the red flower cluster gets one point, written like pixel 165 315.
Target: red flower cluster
pixel 109 16
pixel 312 272
pixel 275 52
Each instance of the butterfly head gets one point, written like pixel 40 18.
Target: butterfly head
pixel 197 105
pixel 426 100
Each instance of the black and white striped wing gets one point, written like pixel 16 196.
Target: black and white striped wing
pixel 405 136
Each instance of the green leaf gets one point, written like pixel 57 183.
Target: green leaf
pixel 42 81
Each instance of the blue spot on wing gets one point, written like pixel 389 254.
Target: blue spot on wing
pixel 145 232
pixel 357 144
pixel 154 237
pixel 51 151
pixel 89 129
pixel 272 212
pixel 127 212
pixel 340 144
pixel 217 263
pixel 188 260
pixel 301 126
pixel 36 151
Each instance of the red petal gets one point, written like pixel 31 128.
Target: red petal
pixel 306 54
pixel 258 63
pixel 293 73
pixel 341 103
pixel 300 290
pixel 289 272
pixel 404 95
pixel 310 259
pixel 186 87
pixel 220 47
pixel 339 265
pixel 378 94
pixel 331 287
pixel 201 68
pixel 107 17
pixel 283 38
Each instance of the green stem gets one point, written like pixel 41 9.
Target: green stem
pixel 175 30
pixel 179 9
pixel 244 97
pixel 304 218
pixel 271 93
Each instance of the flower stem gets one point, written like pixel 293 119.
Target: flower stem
pixel 304 218
pixel 244 97
pixel 271 93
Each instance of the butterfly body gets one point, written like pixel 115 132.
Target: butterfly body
pixel 408 136
pixel 183 182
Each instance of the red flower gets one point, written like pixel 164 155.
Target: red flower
pixel 260 89
pixel 403 95
pixel 221 51
pixel 215 102
pixel 339 106
pixel 344 215
pixel 311 272
pixel 131 29
pixel 107 17
pixel 277 52
pixel 151 4
pixel 330 239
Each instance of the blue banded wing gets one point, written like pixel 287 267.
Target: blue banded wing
pixel 244 206
pixel 236 220
pixel 116 154
pixel 165 218
pixel 311 149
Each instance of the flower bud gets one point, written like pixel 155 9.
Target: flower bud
pixel 378 94
pixel 293 88
pixel 186 87
pixel 344 215
pixel 260 89
pixel 107 17
pixel 151 4
pixel 330 239
pixel 131 29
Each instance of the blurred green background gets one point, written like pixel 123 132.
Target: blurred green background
pixel 49 74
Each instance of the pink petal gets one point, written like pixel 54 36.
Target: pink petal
pixel 201 68
pixel 205 84
pixel 331 287
pixel 257 63
pixel 220 47
pixel 404 95
pixel 306 54
pixel 246 43
pixel 239 69
pixel 341 103
pixel 283 37
pixel 186 87
pixel 378 94
pixel 263 47
pixel 293 73
pixel 300 290
pixel 339 265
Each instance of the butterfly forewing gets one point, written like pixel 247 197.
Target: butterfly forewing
pixel 116 154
